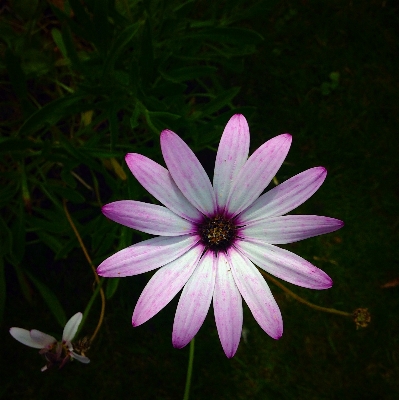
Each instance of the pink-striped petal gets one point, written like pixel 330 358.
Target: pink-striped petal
pixel 146 256
pixel 289 228
pixel 71 327
pixel 256 294
pixel 42 338
pixel 286 196
pixel 227 306
pixel 37 341
pixel 188 173
pixel 194 301
pixel 149 218
pixel 164 285
pixel 284 265
pixel 158 181
pixel 257 173
pixel 231 156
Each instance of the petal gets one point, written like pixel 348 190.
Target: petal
pixel 146 256
pixel 194 302
pixel 38 341
pixel 42 338
pixel 257 173
pixel 290 228
pixel 257 294
pixel 188 173
pixel 71 327
pixel 149 218
pixel 82 359
pixel 158 181
pixel 164 285
pixel 231 156
pixel 227 306
pixel 285 197
pixel 284 264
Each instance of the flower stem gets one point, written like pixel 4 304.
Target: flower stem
pixel 97 279
pixel 301 300
pixel 189 370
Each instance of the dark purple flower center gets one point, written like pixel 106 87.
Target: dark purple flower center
pixel 217 233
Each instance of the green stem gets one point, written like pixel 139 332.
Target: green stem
pixel 189 370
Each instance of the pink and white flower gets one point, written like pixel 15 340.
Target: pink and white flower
pixel 210 237
pixel 56 353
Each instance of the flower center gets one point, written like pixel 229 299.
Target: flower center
pixel 217 233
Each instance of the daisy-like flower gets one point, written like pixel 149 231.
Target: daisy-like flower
pixel 56 353
pixel 210 237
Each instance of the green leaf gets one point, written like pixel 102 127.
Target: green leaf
pixel 18 230
pixel 23 282
pixel 112 285
pixel 146 60
pixel 59 41
pixel 188 73
pixel 50 298
pixel 67 193
pixel 220 101
pixel 164 115
pixel 120 44
pixel 49 114
pixel 236 36
pixel 17 145
pixel 101 25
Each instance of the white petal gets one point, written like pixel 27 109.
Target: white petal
pixel 188 173
pixel 146 256
pixel 284 264
pixel 289 228
pixel 286 196
pixel 158 181
pixel 231 156
pixel 42 338
pixel 164 285
pixel 71 327
pixel 227 306
pixel 194 302
pixel 82 359
pixel 256 294
pixel 24 336
pixel 257 173
pixel 149 218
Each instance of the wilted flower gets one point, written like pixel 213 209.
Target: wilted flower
pixel 56 353
pixel 211 237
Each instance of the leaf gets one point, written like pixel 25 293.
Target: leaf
pixel 18 230
pixel 5 238
pixel 59 41
pixel 50 298
pixel 23 282
pixel 146 59
pixel 67 193
pixel 220 101
pixel 188 73
pixel 236 36
pixel 49 114
pixel 120 44
pixel 112 285
pixel 118 169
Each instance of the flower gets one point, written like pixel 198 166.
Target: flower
pixel 210 237
pixel 56 353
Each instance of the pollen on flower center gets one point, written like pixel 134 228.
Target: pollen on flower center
pixel 217 233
